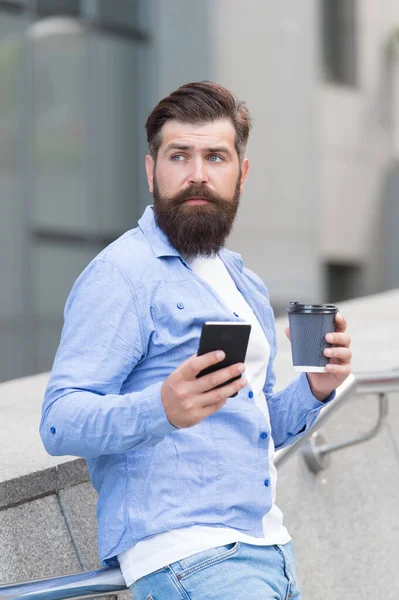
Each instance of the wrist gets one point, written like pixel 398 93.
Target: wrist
pixel 320 395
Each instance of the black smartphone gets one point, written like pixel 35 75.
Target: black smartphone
pixel 231 337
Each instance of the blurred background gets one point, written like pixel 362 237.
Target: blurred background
pixel 319 217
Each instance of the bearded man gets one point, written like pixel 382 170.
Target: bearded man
pixel 184 472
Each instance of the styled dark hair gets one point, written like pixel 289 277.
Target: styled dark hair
pixel 199 102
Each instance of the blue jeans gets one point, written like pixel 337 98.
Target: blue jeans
pixel 233 572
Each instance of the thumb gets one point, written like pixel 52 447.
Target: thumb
pixel 287 333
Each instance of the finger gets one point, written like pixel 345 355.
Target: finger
pixel 208 382
pixel 342 354
pixel 190 368
pixel 207 411
pixel 340 323
pixel 340 370
pixel 340 339
pixel 287 333
pixel 222 393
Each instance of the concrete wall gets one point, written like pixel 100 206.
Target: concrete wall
pixel 321 154
pixel 344 521
pixel 357 144
pixel 271 61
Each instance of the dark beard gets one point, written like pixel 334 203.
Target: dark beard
pixel 196 230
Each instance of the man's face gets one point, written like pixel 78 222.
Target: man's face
pixel 196 182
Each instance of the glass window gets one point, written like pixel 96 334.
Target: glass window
pixel 10 64
pixel 343 281
pixel 59 122
pixel 58 7
pixel 56 268
pixel 339 40
pixel 12 226
pixel 14 4
pixel 86 131
pixel 113 140
pixel 86 154
pixel 118 14
pixel 72 174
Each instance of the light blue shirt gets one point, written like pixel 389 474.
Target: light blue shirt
pixel 132 317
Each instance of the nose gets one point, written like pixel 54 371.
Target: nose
pixel 198 173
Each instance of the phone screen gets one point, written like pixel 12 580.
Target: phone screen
pixel 231 337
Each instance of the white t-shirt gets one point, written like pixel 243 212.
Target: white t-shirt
pixel 162 549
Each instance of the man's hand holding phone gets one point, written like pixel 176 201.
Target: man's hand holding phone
pixel 187 400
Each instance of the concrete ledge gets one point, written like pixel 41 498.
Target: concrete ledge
pixel 22 449
pixel 42 483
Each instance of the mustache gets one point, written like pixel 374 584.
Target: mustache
pixel 197 191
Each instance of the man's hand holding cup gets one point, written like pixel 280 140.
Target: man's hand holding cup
pixel 318 333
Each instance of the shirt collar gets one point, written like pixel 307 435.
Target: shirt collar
pixel 156 238
pixel 161 247
pixel 232 258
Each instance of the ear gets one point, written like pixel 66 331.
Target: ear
pixel 149 167
pixel 244 172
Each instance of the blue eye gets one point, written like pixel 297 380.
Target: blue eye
pixel 215 158
pixel 177 157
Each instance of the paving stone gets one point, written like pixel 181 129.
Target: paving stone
pixel 344 520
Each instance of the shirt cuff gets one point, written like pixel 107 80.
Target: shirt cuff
pixel 152 413
pixel 312 403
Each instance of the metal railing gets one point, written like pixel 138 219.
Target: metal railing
pixel 313 445
pixel 109 581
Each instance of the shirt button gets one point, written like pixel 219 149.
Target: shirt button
pixel 266 482
pixel 180 305
pixel 263 435
pixel 52 430
pixel 250 394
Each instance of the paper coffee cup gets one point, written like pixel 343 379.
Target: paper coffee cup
pixel 309 324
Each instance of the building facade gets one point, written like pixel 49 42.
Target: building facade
pixel 77 80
